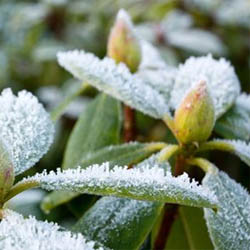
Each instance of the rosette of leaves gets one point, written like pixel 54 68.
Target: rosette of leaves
pixel 204 95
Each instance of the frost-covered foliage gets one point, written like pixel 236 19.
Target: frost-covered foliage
pixel 219 75
pixel 229 227
pixel 115 80
pixel 26 128
pixel 18 233
pixel 144 183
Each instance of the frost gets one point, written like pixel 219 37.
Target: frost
pixel 116 218
pixel 219 75
pixel 17 233
pixel 26 128
pixel 124 16
pixel 155 72
pixel 229 227
pixel 145 183
pixel 115 80
pixel 236 122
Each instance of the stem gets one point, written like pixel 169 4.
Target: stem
pixel 129 133
pixel 204 164
pixel 170 211
pixel 216 145
pixel 20 187
pixel 168 152
pixel 60 109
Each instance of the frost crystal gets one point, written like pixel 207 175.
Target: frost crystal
pixel 229 227
pixel 155 72
pixel 25 128
pixel 115 80
pixel 17 233
pixel 145 183
pixel 219 75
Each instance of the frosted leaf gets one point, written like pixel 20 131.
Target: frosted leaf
pixel 115 80
pixel 236 122
pixel 26 128
pixel 239 148
pixel 144 183
pixel 229 228
pixel 18 233
pixel 196 40
pixel 219 75
pixel 155 72
pixel 205 5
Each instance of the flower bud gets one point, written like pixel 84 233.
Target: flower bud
pixel 194 118
pixel 123 45
pixel 6 173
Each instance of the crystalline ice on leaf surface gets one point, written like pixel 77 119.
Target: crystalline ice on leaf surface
pixel 18 233
pixel 25 128
pixel 229 227
pixel 146 183
pixel 115 80
pixel 219 75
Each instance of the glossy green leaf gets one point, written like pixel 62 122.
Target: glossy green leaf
pixel 229 228
pixel 189 231
pixel 98 126
pixel 235 124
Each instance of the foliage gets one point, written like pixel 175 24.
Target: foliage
pixel 174 82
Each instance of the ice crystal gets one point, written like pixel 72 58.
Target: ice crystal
pixel 145 183
pixel 155 72
pixel 26 128
pixel 115 80
pixel 229 227
pixel 219 75
pixel 236 122
pixel 112 218
pixel 18 233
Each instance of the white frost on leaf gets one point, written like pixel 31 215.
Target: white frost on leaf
pixel 145 183
pixel 115 80
pixel 229 227
pixel 219 75
pixel 25 128
pixel 18 233
pixel 236 122
pixel 155 72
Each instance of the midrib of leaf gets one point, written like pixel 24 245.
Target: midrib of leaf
pixel 187 230
pixel 235 205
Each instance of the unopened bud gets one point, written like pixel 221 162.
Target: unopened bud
pixel 6 173
pixel 123 45
pixel 194 118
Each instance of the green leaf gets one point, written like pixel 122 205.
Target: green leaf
pixel 126 154
pixel 119 223
pixel 229 228
pixel 149 182
pixel 115 80
pixel 235 124
pixel 98 126
pixel 189 231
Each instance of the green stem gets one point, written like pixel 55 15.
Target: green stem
pixel 168 152
pixel 216 145
pixel 204 164
pixel 20 187
pixel 59 110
